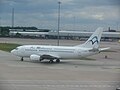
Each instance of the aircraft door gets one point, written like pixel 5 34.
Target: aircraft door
pixel 21 51
pixel 78 52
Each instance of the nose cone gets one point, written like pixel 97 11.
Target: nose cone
pixel 13 52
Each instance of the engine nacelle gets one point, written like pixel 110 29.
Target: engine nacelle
pixel 35 57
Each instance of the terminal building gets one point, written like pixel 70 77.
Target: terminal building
pixel 49 34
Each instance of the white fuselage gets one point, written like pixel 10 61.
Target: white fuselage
pixel 62 52
pixel 41 52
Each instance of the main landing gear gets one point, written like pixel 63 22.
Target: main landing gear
pixel 51 61
pixel 57 60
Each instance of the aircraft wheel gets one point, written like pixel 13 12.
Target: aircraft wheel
pixel 57 60
pixel 22 59
pixel 51 61
pixel 41 59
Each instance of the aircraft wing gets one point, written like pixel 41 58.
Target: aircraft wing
pixel 49 56
pixel 103 49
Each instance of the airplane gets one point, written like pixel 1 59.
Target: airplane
pixel 51 53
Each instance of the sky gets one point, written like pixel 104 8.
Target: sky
pixel 74 14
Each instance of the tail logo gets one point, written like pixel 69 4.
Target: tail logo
pixel 94 40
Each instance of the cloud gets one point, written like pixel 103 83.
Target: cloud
pixel 101 13
pixel 44 13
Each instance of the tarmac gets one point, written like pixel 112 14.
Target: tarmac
pixel 98 73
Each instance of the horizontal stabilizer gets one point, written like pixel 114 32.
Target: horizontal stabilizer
pixel 103 49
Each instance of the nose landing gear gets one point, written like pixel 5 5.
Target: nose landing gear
pixel 22 59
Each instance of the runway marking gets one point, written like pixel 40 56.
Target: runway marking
pixel 60 83
pixel 60 80
pixel 70 86
pixel 57 81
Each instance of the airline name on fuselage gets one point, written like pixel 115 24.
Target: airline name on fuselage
pixel 49 49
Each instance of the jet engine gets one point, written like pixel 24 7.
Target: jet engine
pixel 34 57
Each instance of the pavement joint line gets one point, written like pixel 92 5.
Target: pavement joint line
pixel 91 86
pixel 58 81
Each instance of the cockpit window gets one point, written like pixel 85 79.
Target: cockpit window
pixel 16 48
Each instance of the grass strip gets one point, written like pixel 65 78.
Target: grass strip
pixel 8 46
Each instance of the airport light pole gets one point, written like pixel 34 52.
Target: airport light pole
pixel 12 17
pixel 117 26
pixel 0 21
pixel 58 22
pixel 0 25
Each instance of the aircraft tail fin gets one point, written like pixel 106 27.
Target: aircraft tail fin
pixel 94 40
